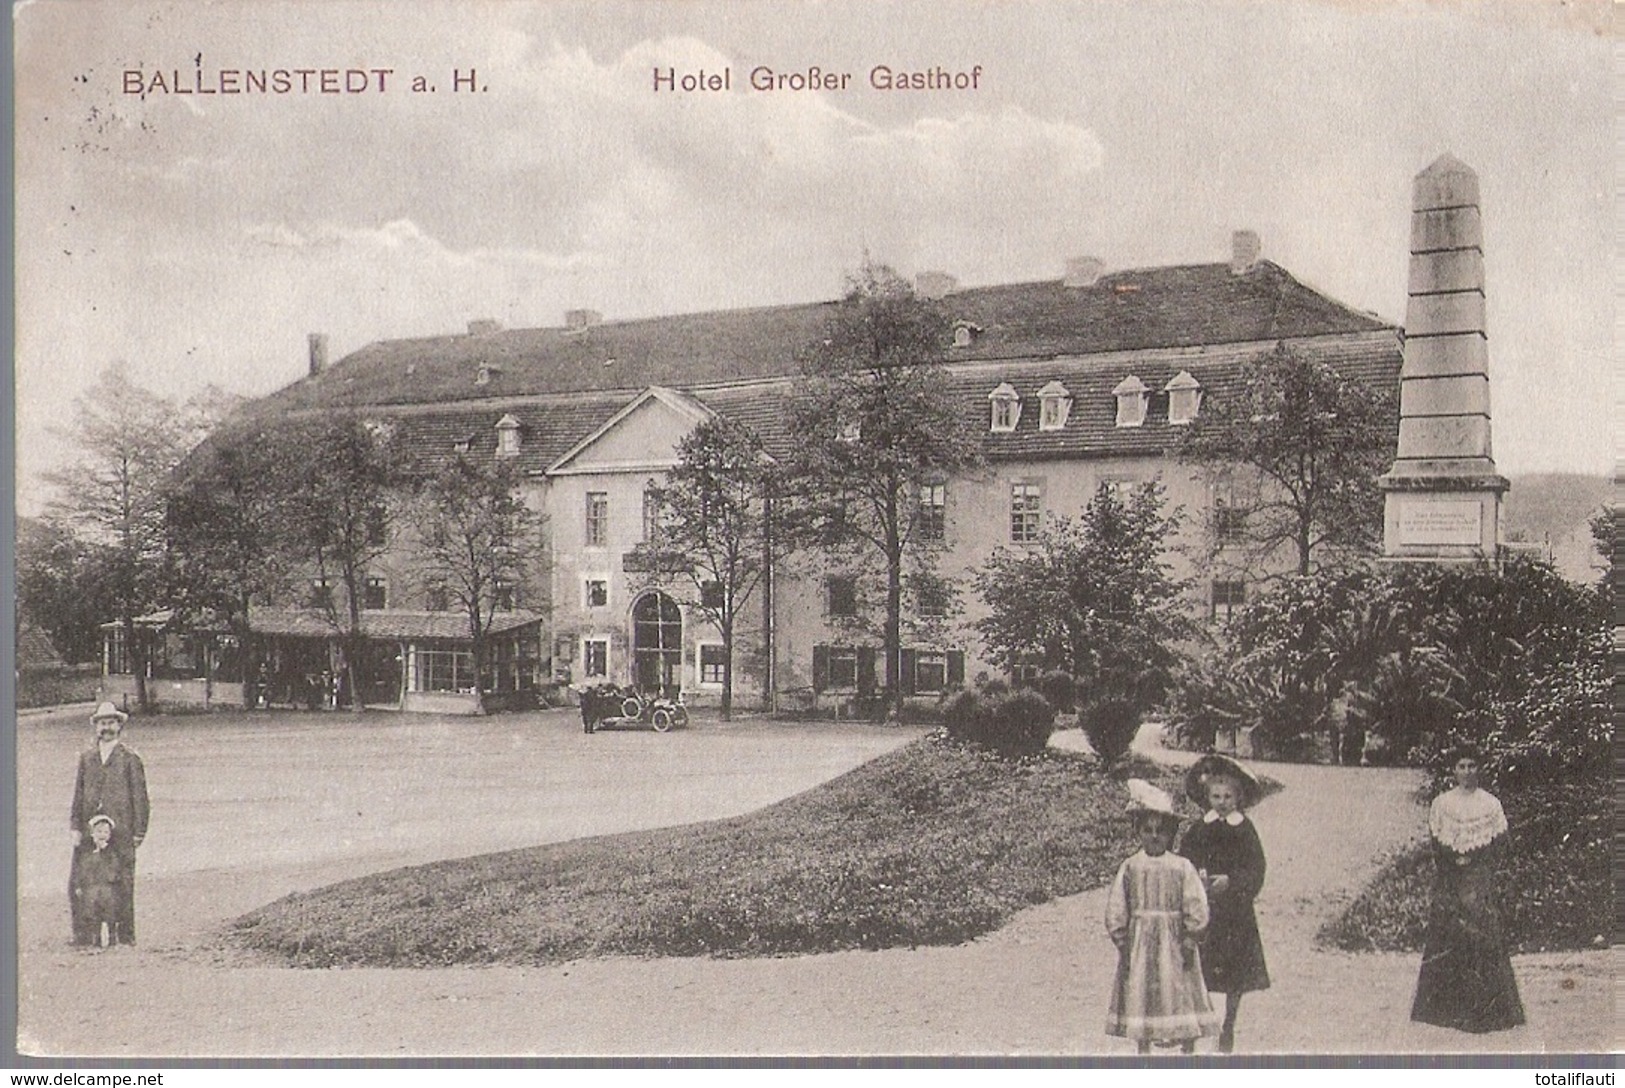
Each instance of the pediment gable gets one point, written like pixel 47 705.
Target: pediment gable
pixel 642 436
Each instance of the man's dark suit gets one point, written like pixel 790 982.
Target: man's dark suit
pixel 117 788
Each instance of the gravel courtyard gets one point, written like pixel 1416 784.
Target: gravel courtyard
pixel 247 808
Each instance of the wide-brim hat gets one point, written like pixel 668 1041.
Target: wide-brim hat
pixel 108 710
pixel 1214 766
pixel 102 818
pixel 1144 797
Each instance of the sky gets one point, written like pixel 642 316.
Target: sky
pixel 199 239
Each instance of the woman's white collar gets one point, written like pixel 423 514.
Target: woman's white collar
pixel 1234 819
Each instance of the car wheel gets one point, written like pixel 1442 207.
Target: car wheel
pixel 662 720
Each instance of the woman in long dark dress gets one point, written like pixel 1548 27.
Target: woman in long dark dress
pixel 1226 851
pixel 1466 980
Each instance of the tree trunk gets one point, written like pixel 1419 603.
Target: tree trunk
pixel 727 666
pixel 894 629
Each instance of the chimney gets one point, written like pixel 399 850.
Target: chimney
pixel 483 326
pixel 1245 249
pixel 934 285
pixel 1083 271
pixel 581 319
pixel 318 353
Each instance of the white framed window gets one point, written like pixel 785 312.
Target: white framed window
pixel 444 670
pixel 932 525
pixel 1131 394
pixel 1184 398
pixel 595 593
pixel 1121 487
pixel 1228 597
pixel 1054 406
pixel 595 658
pixel 965 332
pixel 713 662
pixel 596 533
pixel 507 437
pixel 1026 511
pixel 1006 404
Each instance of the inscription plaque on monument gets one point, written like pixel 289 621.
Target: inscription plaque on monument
pixel 1441 521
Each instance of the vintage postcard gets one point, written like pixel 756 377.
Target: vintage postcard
pixel 641 530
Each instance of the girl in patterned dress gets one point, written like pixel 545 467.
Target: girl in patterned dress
pixel 1156 913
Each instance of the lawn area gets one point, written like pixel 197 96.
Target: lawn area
pixel 930 844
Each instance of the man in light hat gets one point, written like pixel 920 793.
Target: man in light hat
pixel 112 782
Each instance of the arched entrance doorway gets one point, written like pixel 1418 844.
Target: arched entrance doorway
pixel 657 643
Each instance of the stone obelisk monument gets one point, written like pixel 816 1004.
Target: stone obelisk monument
pixel 1442 497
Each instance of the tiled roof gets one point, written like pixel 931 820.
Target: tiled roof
pixel 1130 310
pixel 389 623
pixel 1091 427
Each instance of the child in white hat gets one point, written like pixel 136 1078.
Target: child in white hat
pixel 98 879
pixel 1156 913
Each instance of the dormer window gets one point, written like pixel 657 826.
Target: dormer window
pixel 1006 408
pixel 1184 398
pixel 462 445
pixel 1054 405
pixel 965 332
pixel 1131 394
pixel 507 437
pixel 486 372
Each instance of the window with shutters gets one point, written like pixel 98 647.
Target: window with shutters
pixel 930 673
pixel 843 669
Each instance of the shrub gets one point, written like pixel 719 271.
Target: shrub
pixel 1060 689
pixel 1015 724
pixel 1419 656
pixel 1110 725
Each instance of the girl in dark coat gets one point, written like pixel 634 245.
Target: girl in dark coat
pixel 1226 852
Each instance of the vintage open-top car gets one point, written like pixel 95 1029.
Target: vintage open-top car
pixel 609 706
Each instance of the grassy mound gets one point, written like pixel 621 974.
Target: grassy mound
pixel 1555 890
pixel 932 844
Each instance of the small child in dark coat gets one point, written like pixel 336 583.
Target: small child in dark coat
pixel 98 878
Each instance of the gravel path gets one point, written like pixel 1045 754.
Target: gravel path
pixel 1036 987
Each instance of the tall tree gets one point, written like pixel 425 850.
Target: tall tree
pixel 1096 597
pixel 473 537
pixel 715 539
pixel 62 586
pixel 228 524
pixel 876 423
pixel 1314 442
pixel 338 515
pixel 129 440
